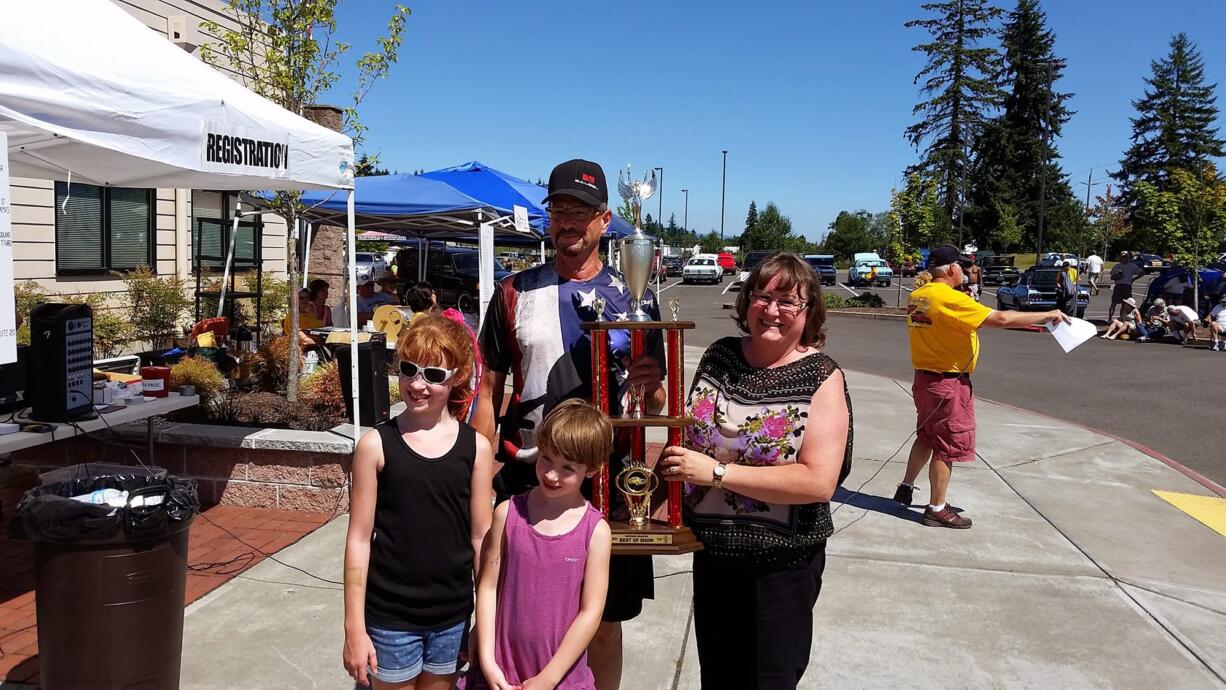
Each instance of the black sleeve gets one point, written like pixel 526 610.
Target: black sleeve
pixel 655 339
pixel 495 350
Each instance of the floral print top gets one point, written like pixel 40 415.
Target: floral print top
pixel 751 416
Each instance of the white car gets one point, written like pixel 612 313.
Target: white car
pixel 370 265
pixel 702 269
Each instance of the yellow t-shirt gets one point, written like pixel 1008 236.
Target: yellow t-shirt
pixel 941 323
pixel 305 321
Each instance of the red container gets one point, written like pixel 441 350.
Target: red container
pixel 156 381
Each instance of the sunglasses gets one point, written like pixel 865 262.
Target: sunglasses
pixel 436 375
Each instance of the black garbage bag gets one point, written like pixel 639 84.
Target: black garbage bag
pixel 49 513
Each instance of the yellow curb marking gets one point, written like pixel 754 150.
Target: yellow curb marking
pixel 1208 510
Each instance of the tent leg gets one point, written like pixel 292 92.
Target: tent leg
pixel 353 320
pixel 225 275
pixel 306 254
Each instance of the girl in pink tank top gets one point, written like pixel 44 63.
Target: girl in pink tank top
pixel 545 565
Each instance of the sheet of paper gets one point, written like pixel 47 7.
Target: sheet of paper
pixel 1070 335
pixel 8 307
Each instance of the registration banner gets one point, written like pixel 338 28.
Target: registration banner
pixel 8 307
pixel 243 151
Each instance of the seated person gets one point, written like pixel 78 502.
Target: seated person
pixel 1156 320
pixel 1128 323
pixel 306 314
pixel 389 287
pixel 368 300
pixel 1217 325
pixel 421 298
pixel 319 300
pixel 1183 322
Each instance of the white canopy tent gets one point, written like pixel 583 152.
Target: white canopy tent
pixel 88 93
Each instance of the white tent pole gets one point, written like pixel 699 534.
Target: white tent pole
pixel 353 320
pixel 423 246
pixel 306 253
pixel 542 251
pixel 225 274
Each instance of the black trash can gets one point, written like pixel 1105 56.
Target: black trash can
pixel 109 581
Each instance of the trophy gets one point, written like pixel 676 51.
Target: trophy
pixel 637 251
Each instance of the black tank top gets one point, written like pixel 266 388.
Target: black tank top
pixel 421 554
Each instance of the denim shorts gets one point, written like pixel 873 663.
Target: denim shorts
pixel 404 654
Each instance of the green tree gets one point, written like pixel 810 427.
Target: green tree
pixel 751 219
pixel 1174 126
pixel 284 50
pixel 959 90
pixel 711 243
pixel 1188 216
pixel 1013 151
pixel 849 235
pixel 921 218
pixel 368 167
pixel 772 231
pixel 1108 222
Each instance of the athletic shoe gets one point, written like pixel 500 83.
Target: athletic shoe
pixel 904 494
pixel 947 517
pixel 1213 347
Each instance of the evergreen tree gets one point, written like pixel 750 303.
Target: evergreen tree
pixel 960 91
pixel 849 235
pixel 1013 150
pixel 752 219
pixel 1174 126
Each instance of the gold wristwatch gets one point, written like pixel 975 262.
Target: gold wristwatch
pixel 717 473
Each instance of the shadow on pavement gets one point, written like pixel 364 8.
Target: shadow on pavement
pixel 876 504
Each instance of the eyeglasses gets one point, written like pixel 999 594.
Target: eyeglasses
pixel 436 375
pixel 786 305
pixel 578 214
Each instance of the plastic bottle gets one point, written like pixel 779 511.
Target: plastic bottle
pixel 312 361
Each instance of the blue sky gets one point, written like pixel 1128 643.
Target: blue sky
pixel 809 98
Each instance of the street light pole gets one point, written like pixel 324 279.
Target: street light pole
pixel 723 188
pixel 660 191
pixel 1038 250
pixel 685 218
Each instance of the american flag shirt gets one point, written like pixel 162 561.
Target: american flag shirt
pixel 532 332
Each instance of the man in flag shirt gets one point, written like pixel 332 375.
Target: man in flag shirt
pixel 531 331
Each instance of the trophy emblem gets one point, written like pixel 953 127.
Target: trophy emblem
pixel 637 483
pixel 674 305
pixel 637 251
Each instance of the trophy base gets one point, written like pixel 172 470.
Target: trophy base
pixel 655 539
pixel 638 316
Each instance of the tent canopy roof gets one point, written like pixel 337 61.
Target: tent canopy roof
pixel 87 89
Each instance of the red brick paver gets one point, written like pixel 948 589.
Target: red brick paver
pixel 214 557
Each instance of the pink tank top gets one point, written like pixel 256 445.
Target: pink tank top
pixel 538 598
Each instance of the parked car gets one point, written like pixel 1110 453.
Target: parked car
pixel 673 264
pixel 452 271
pixel 998 269
pixel 752 259
pixel 823 264
pixel 1056 258
pixel 370 265
pixel 1152 263
pixel 862 267
pixel 1035 290
pixel 727 262
pixel 702 269
pixel 907 269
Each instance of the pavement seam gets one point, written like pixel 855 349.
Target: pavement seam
pixel 971 568
pixel 685 638
pixel 1050 457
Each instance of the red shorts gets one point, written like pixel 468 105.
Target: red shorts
pixel 945 415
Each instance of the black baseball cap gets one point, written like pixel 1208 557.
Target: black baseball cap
pixel 583 180
pixel 945 255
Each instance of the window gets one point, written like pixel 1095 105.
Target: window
pixel 212 223
pixel 102 229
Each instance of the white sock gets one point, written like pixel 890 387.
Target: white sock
pixel 936 509
pixel 909 486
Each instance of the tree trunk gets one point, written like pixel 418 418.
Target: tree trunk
pixel 291 253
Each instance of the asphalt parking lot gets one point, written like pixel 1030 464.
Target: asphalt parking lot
pixel 1165 397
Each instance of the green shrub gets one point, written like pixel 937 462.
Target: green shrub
pixel 866 300
pixel 270 364
pixel 321 391
pixel 112 331
pixel 833 301
pixel 157 304
pixel 274 299
pixel 201 373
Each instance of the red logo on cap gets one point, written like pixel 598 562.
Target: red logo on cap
pixel 590 179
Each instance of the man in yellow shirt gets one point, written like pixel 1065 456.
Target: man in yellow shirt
pixel 942 324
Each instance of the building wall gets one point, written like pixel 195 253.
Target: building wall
pixel 33 200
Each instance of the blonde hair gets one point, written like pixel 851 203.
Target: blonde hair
pixel 922 278
pixel 578 432
pixel 433 340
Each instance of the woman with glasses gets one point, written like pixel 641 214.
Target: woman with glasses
pixel 770 443
pixel 421 502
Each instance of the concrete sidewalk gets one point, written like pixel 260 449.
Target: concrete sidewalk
pixel 1075 575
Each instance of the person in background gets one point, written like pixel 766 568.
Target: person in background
pixel 1157 322
pixel 1175 288
pixel 1122 277
pixel 422 502
pixel 1066 289
pixel 974 279
pixel 388 287
pixel 1094 268
pixel 368 301
pixel 1183 322
pixel 421 298
pixel 306 315
pixel 1129 323
pixel 1217 325
pixel 319 300
pixel 942 327
pixel 545 565
pixel 1071 267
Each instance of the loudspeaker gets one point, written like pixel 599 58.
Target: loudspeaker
pixel 13 380
pixel 61 362
pixel 373 401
